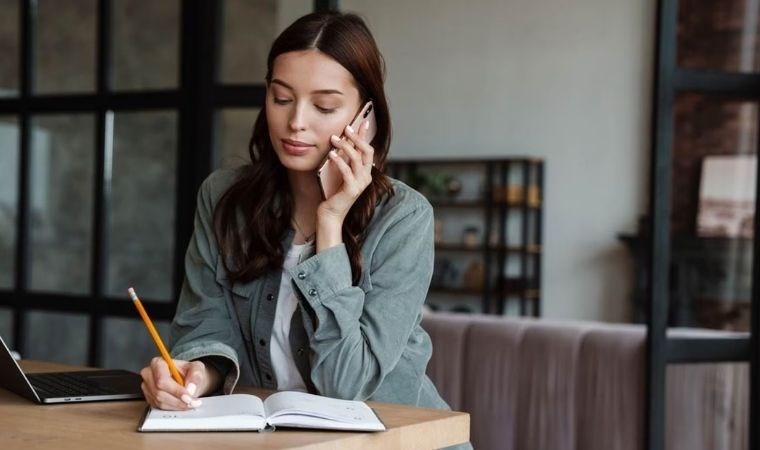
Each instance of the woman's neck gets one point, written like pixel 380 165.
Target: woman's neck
pixel 306 198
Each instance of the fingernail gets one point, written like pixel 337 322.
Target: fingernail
pixel 348 127
pixel 334 138
pixel 196 403
pixel 191 388
pixel 366 125
pixel 186 398
pixel 333 154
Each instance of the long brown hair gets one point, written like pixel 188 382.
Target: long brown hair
pixel 254 214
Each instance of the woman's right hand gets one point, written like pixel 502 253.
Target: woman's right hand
pixel 163 392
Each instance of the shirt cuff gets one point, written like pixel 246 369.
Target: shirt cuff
pixel 323 275
pixel 222 365
pixel 198 350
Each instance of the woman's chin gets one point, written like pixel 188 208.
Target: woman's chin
pixel 300 164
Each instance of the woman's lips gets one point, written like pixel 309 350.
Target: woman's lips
pixel 296 148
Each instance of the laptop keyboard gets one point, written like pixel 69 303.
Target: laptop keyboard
pixel 65 385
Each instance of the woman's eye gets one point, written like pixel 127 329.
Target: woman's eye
pixel 325 110
pixel 281 101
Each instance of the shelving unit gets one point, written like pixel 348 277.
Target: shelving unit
pixel 490 212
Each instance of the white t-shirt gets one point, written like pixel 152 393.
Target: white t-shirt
pixel 285 370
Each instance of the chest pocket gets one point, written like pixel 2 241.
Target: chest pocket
pixel 239 297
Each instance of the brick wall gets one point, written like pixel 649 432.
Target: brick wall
pixel 716 36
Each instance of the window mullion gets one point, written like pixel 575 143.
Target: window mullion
pixel 102 184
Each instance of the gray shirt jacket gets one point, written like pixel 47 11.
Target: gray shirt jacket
pixel 359 342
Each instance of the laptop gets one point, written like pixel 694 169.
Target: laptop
pixel 67 387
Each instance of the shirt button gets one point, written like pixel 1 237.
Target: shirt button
pixel 301 275
pixel 262 342
pixel 300 351
pixel 270 297
pixel 313 292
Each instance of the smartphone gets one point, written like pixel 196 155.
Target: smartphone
pixel 330 178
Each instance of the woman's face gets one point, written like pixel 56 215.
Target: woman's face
pixel 310 97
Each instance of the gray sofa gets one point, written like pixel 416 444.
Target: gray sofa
pixel 561 385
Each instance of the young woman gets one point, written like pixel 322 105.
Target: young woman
pixel 287 290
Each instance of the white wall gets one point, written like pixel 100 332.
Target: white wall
pixel 566 81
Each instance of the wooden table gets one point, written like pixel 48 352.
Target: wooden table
pixel 112 425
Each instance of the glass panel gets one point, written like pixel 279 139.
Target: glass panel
pixel 234 127
pixel 64 59
pixel 6 326
pixel 57 337
pixel 719 35
pixel 248 30
pixel 145 44
pixel 289 10
pixel 61 202
pixel 143 202
pixel 707 406
pixel 9 154
pixel 128 344
pixel 9 48
pixel 714 164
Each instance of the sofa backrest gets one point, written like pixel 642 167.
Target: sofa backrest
pixel 569 385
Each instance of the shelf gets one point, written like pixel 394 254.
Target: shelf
pixel 497 193
pixel 460 161
pixel 453 290
pixel 458 203
pixel 530 294
pixel 480 204
pixel 450 247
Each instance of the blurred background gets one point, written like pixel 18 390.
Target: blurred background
pixel 530 125
pixel 491 81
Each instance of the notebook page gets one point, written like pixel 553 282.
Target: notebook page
pixel 224 412
pixel 299 408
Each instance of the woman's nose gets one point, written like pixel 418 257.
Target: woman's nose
pixel 297 119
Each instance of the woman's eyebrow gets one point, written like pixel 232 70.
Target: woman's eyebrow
pixel 327 91
pixel 318 91
pixel 282 83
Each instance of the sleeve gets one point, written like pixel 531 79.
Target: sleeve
pixel 203 325
pixel 357 338
pixel 221 365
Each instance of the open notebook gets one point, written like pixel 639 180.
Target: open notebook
pixel 245 412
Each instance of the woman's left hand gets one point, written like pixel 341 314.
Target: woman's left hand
pixel 357 173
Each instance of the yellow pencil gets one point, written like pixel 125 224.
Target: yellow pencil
pixel 156 338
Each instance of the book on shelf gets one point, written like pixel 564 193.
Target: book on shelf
pixel 246 412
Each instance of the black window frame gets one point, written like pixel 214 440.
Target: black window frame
pixel 197 97
pixel 669 81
